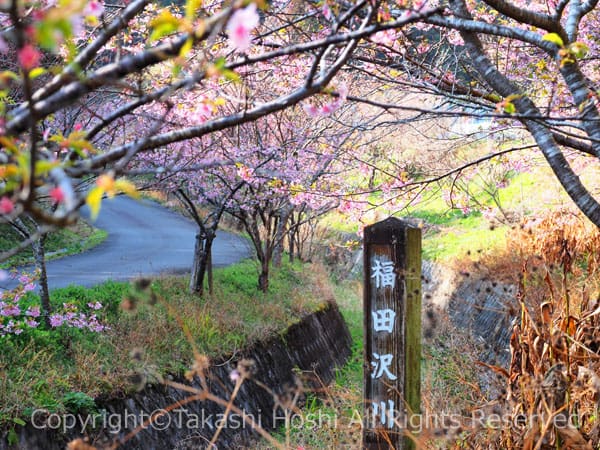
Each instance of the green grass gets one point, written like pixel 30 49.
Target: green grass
pixel 59 369
pixel 448 379
pixel 68 241
pixel 449 232
pixel 468 235
pixel 454 234
pixel 332 419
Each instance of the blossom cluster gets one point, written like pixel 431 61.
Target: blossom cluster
pixel 16 318
pixel 327 108
pixel 52 26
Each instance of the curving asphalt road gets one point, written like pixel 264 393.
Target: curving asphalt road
pixel 144 238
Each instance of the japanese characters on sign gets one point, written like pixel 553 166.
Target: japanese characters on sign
pixel 383 320
pixel 384 275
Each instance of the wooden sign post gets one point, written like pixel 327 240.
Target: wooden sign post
pixel 392 307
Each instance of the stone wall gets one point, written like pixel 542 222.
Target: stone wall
pixel 475 304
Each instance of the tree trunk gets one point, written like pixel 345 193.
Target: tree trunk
pixel 280 236
pixel 291 245
pixel 209 267
pixel 202 264
pixel 196 278
pixel 263 278
pixel 297 244
pixel 39 254
pixel 540 132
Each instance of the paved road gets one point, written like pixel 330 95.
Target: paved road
pixel 144 238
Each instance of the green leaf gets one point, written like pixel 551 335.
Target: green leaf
pixel 176 70
pixel 9 74
pixel 509 108
pixel 12 438
pixel 185 48
pixel 38 71
pixel 579 49
pixel 18 421
pixel 191 6
pixel 9 144
pixel 94 200
pixel 554 38
pixel 43 167
pixel 220 63
pixel 48 29
pixel 231 75
pixel 163 25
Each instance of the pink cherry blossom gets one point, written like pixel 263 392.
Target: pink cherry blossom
pixel 385 37
pixel 23 278
pixel 57 195
pixel 29 57
pixel 10 310
pixel 56 320
pixel 6 205
pixel 93 8
pixel 241 23
pixel 33 311
pixel 327 108
pixel 310 110
pixel 245 173
pixel 202 113
pixel 15 319
pixel 327 11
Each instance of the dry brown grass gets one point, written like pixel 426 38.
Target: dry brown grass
pixel 552 386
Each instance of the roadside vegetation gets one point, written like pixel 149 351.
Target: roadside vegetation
pixel 551 258
pixel 76 238
pixel 544 247
pixel 147 335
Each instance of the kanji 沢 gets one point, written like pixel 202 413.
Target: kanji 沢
pixel 384 275
pixel 386 412
pixel 383 319
pixel 382 366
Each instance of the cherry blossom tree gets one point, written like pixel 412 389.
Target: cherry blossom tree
pixel 527 65
pixel 136 54
pixel 125 65
pixel 267 170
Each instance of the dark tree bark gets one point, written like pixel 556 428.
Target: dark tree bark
pixel 207 232
pixel 205 236
pixel 282 224
pixel 202 263
pixel 39 254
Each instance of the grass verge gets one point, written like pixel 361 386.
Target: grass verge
pixel 331 419
pixel 46 368
pixel 68 241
